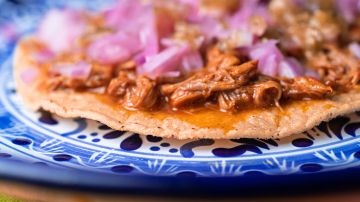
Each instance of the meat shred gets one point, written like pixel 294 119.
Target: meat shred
pixel 304 88
pixel 337 68
pixel 204 84
pixel 143 95
pixel 140 93
pixel 218 60
pixel 259 94
pixel 231 87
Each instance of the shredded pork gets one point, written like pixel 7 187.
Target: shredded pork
pixel 337 68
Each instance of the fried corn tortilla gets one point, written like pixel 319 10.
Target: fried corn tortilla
pixel 273 122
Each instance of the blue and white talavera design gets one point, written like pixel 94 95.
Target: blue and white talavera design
pixel 41 138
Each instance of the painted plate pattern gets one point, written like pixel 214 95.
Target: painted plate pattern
pixel 41 138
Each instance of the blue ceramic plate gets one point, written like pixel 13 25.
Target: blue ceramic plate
pixel 79 147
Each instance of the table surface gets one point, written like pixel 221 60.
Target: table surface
pixel 6 198
pixel 17 192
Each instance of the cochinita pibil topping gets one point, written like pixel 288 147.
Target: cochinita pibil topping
pixel 238 54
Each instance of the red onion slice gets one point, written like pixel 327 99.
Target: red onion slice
pixel 142 21
pixel 355 49
pixel 349 9
pixel 191 61
pixel 290 67
pixel 79 70
pixel 311 73
pixel 149 36
pixel 29 75
pixel 273 63
pixel 166 61
pixel 240 19
pixel 60 29
pixel 115 48
pixel 172 74
pixel 269 65
pixel 119 15
pixel 269 57
pixel 43 56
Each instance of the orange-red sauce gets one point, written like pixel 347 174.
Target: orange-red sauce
pixel 213 118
